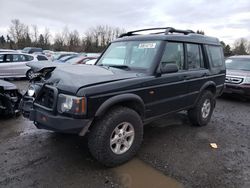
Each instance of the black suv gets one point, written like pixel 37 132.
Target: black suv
pixel 137 79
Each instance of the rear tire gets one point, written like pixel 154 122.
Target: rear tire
pixel 201 114
pixel 116 137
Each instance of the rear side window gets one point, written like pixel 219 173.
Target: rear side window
pixel 28 58
pixel 194 56
pixel 41 58
pixel 18 58
pixel 174 53
pixel 215 56
pixel 1 58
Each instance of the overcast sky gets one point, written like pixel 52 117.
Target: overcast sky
pixel 225 19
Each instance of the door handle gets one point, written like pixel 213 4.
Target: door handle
pixel 186 77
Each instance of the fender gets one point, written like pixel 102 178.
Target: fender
pixel 206 85
pixel 118 99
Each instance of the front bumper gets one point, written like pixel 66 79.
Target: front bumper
pixel 9 105
pixel 53 121
pixel 240 89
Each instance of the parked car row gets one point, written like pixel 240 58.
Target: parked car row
pixel 13 63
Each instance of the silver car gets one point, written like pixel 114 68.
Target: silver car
pixel 13 64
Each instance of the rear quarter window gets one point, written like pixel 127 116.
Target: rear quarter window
pixel 215 55
pixel 28 58
pixel 41 58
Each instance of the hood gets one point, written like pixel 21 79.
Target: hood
pixel 73 77
pixel 39 66
pixel 7 85
pixel 241 73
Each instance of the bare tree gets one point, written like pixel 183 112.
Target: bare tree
pixel 34 34
pixel 18 32
pixel 58 42
pixel 100 36
pixel 74 41
pixel 240 46
pixel 46 36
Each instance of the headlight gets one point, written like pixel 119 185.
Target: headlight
pixel 247 80
pixel 31 91
pixel 71 104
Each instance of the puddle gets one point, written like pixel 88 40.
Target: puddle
pixel 136 174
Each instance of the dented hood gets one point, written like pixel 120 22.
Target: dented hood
pixel 71 78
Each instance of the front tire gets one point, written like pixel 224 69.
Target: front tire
pixel 29 74
pixel 201 114
pixel 116 138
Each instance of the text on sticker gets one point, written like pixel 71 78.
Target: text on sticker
pixel 147 45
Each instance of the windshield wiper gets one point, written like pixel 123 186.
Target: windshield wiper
pixel 116 66
pixel 120 67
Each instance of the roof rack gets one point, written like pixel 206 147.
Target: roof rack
pixel 166 32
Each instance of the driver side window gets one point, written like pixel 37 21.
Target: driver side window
pixel 174 54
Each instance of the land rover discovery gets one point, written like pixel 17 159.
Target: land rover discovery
pixel 137 79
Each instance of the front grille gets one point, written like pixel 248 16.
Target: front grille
pixel 46 97
pixel 11 93
pixel 233 80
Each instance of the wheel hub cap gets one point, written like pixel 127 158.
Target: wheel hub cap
pixel 122 138
pixel 205 110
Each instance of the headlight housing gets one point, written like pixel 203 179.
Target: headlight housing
pixel 31 91
pixel 247 80
pixel 71 104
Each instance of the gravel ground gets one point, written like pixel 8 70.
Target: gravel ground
pixel 173 154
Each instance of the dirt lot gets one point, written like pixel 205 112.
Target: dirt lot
pixel 173 154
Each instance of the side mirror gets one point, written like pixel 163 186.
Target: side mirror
pixel 167 68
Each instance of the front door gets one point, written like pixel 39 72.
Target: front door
pixel 169 91
pixel 5 65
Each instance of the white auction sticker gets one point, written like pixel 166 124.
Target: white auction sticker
pixel 147 45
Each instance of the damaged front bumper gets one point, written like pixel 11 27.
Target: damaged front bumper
pixel 44 119
pixel 9 102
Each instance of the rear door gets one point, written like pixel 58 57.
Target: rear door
pixel 18 65
pixel 198 71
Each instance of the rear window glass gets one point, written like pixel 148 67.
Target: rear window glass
pixel 215 56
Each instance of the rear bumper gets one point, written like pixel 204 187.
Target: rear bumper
pixel 240 89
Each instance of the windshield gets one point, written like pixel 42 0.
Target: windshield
pixel 74 60
pixel 132 54
pixel 238 64
pixel 25 50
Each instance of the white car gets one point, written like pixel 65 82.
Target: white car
pixel 13 64
pixel 91 62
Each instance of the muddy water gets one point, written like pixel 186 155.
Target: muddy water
pixel 137 174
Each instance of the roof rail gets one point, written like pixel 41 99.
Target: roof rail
pixel 166 32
